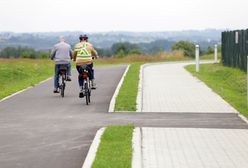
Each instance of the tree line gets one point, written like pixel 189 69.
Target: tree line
pixel 124 49
pixel 118 50
pixel 22 52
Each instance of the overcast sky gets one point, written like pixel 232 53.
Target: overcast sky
pixel 121 15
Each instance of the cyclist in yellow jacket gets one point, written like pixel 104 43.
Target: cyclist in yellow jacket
pixel 84 53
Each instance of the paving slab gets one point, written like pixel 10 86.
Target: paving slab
pixel 194 148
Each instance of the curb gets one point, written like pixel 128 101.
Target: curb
pixel 23 90
pixel 137 152
pixel 139 99
pixel 112 102
pixel 93 149
pixel 243 118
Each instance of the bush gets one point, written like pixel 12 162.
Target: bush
pixel 187 47
pixel 210 50
pixel 124 49
pixel 120 54
pixel 135 52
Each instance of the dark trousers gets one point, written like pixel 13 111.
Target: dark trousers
pixel 56 73
pixel 80 71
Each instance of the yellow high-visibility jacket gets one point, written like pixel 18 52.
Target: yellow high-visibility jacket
pixel 83 53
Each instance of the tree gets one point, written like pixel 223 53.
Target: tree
pixel 187 47
pixel 104 52
pixel 156 46
pixel 124 49
pixel 210 50
pixel 135 51
pixel 120 54
pixel 118 48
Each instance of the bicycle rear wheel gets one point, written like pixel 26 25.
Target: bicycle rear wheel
pixel 62 92
pixel 89 96
pixel 86 89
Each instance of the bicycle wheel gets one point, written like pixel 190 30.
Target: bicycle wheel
pixel 89 96
pixel 62 87
pixel 89 89
pixel 86 93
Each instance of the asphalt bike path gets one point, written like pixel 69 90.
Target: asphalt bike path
pixel 42 129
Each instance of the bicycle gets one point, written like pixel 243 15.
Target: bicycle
pixel 62 79
pixel 86 88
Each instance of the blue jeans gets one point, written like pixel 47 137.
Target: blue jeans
pixel 56 73
pixel 80 71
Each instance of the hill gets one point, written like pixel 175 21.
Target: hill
pixel 45 40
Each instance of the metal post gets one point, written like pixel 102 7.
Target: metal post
pixel 247 79
pixel 215 53
pixel 197 60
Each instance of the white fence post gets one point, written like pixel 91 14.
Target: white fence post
pixel 197 59
pixel 215 53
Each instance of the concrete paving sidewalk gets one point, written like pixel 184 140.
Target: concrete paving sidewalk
pixel 170 88
pixel 194 148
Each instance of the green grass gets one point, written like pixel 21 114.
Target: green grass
pixel 210 56
pixel 229 83
pixel 126 99
pixel 115 149
pixel 17 74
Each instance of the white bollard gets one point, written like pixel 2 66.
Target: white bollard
pixel 197 59
pixel 215 53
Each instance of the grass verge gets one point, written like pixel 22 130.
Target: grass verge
pixel 115 149
pixel 229 83
pixel 126 99
pixel 18 74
